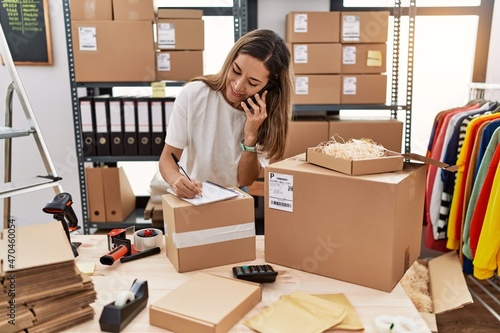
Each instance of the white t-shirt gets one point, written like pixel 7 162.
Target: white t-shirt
pixel 209 130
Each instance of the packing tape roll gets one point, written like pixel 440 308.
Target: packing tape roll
pixel 146 239
pixel 123 298
pixel 394 324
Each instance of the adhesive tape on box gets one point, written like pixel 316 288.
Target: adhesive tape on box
pixel 146 239
pixel 394 324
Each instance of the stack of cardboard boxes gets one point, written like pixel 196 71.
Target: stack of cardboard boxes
pixel 338 57
pixel 114 41
pixel 314 42
pixel 181 42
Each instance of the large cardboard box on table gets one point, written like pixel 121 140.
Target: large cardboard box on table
pixel 209 235
pixel 312 27
pixel 113 51
pixel 205 304
pixel 360 229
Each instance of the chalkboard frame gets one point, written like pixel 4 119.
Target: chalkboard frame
pixel 47 54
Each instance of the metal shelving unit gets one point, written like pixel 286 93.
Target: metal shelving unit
pixel 394 107
pixel 239 13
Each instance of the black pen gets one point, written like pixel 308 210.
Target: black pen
pixel 176 160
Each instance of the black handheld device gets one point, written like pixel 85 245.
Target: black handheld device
pixel 269 86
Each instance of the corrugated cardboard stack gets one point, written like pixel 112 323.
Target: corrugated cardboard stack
pixel 314 43
pixel 181 42
pixel 42 289
pixel 338 57
pixel 363 36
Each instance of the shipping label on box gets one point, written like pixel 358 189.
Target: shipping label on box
pixel 180 34
pixel 364 27
pixel 281 191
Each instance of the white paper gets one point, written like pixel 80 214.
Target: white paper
pixel 163 61
pixel 281 191
pixel 87 38
pixel 349 86
pixel 211 192
pixel 301 85
pixel 300 23
pixel 166 35
pixel 300 54
pixel 349 55
pixel 351 28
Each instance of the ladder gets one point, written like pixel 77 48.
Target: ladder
pixel 11 188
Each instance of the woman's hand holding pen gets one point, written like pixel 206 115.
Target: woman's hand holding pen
pixel 186 188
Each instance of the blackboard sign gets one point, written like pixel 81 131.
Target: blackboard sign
pixel 26 27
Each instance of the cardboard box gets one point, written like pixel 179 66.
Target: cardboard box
pixel 119 198
pixel 178 65
pixel 363 89
pixel 448 288
pixel 209 235
pixel 142 10
pixel 179 13
pixel 319 58
pixel 364 230
pixel 317 89
pixel 113 51
pixel 92 10
pixel 180 34
pixel 364 27
pixel 305 133
pixel 363 58
pixel 386 132
pixel 95 195
pixel 312 27
pixel 390 163
pixel 205 304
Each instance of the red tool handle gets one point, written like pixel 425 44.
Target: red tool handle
pixel 115 254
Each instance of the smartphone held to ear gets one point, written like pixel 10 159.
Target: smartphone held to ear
pixel 267 87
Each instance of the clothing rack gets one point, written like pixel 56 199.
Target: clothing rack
pixel 483 90
pixel 489 289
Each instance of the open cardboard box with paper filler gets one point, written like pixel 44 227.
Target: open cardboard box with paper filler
pixel 392 161
pixel 447 286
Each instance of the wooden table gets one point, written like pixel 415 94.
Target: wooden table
pixel 162 278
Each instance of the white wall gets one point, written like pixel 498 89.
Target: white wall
pixel 49 92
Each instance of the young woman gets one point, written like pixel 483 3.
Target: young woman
pixel 215 134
